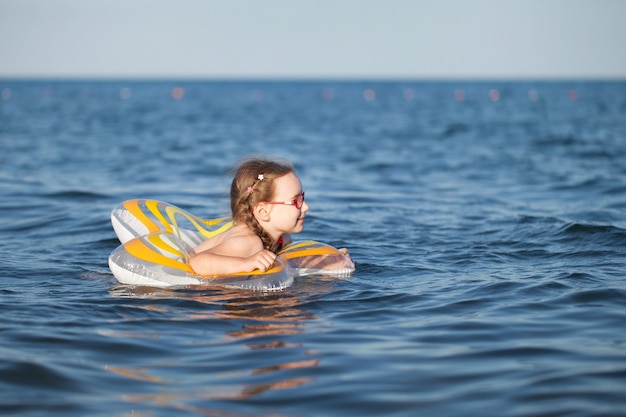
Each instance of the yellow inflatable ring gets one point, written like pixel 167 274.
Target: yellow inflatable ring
pixel 157 237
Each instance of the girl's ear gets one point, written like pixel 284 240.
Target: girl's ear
pixel 261 212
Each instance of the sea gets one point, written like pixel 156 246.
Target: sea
pixel 486 220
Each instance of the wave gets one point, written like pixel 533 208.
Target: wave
pixel 76 195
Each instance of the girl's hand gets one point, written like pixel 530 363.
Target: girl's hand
pixel 262 260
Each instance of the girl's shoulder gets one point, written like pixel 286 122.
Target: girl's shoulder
pixel 238 241
pixel 242 244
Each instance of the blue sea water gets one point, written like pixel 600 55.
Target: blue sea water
pixel 486 220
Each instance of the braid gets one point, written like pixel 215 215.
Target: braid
pixel 252 222
pixel 254 183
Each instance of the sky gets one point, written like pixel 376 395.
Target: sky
pixel 316 39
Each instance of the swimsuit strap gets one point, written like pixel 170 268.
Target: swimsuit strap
pixel 279 244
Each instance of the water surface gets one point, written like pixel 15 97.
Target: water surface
pixel 486 221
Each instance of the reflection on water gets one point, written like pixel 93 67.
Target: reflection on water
pixel 138 374
pixel 270 317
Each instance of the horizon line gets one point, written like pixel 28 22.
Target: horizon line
pixel 308 79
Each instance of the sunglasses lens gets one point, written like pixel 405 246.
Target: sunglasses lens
pixel 300 201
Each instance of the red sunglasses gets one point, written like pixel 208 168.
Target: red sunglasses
pixel 298 201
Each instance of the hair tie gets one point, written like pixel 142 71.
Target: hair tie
pixel 260 177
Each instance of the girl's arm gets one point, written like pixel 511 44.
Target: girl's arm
pixel 234 255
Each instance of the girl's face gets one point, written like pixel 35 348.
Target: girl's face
pixel 286 218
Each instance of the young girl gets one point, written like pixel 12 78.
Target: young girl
pixel 267 204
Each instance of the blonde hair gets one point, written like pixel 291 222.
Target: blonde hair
pixel 254 183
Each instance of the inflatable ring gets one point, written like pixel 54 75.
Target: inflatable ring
pixel 157 237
